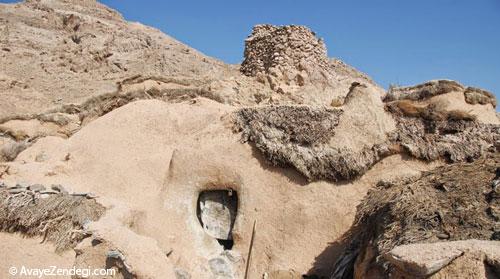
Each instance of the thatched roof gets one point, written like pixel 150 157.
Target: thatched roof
pixel 299 136
pixel 59 218
pixel 453 202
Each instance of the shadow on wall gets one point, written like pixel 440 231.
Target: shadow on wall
pixel 324 263
pixel 289 172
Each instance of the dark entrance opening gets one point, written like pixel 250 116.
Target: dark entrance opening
pixel 226 243
pixel 216 211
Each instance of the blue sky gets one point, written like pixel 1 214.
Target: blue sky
pixel 394 41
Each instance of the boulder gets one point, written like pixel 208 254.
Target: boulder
pixel 414 260
pixel 36 187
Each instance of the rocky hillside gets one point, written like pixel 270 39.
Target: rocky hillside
pixel 123 148
pixel 57 52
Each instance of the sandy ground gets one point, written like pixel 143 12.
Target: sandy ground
pixel 32 254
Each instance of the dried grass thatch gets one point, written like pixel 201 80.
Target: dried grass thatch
pixel 298 136
pixel 431 112
pixel 453 202
pixel 479 96
pixel 423 91
pixel 58 218
pixel 435 134
pixel 302 125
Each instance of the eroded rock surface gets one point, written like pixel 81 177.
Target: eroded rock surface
pixel 434 260
pixel 110 130
pixel 57 52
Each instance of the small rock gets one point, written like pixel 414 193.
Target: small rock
pixel 12 149
pixel 59 188
pixel 79 194
pixel 86 223
pixel 2 184
pixel 417 262
pixel 16 190
pixel 232 256
pixel 36 187
pixel 87 195
pixel 118 257
pixel 48 192
pixel 220 267
pixel 42 157
pixel 169 252
pixel 18 186
pixel 385 184
pixel 115 255
pixel 182 274
pixel 119 260
pixel 443 236
pixel 96 241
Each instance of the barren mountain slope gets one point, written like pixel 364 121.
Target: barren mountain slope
pixel 62 52
pixel 57 52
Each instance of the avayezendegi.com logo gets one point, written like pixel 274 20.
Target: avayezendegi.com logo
pixel 24 271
